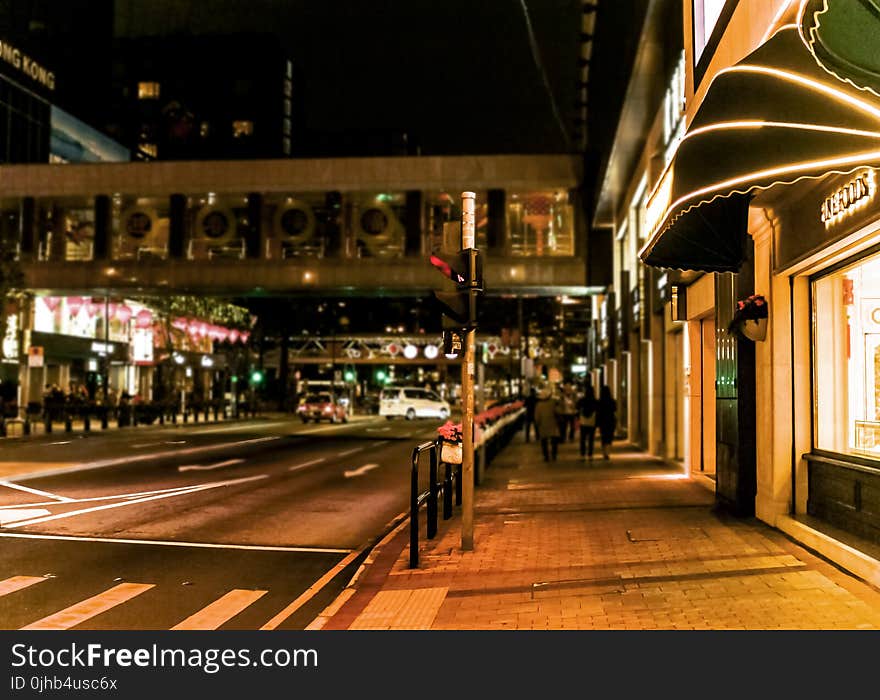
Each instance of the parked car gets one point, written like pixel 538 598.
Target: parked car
pixel 321 406
pixel 412 402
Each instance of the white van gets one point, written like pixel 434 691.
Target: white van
pixel 412 402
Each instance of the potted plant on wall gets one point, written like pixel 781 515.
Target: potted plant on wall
pixel 750 319
pixel 450 442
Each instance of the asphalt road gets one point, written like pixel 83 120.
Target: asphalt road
pixel 236 526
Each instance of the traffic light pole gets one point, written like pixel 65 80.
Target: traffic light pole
pixel 467 393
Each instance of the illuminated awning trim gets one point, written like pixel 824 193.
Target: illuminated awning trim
pixel 776 117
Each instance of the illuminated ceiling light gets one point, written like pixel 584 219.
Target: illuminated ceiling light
pixel 431 351
pixel 410 352
pixel 308 276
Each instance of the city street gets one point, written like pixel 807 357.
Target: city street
pixel 199 527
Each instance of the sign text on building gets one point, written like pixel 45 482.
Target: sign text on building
pixel 24 63
pixel 846 199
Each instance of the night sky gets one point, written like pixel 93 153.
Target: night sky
pixel 459 74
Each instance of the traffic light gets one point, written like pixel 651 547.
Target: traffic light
pixel 381 376
pixel 256 377
pixel 459 308
pixel 349 375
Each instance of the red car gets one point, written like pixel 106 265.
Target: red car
pixel 322 406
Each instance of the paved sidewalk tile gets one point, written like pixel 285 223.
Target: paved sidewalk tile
pixel 629 543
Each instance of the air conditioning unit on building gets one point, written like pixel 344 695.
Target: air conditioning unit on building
pixel 377 228
pixel 294 222
pixel 216 226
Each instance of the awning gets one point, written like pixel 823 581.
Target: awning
pixel 775 117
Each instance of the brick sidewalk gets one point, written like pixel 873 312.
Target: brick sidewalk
pixel 626 544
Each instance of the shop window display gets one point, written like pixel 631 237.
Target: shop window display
pixel 846 359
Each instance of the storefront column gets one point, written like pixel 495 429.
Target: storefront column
pixel 254 242
pixel 103 227
pixel 496 229
pixel 28 228
pixel 413 218
pixel 177 242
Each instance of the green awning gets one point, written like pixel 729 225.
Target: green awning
pixel 775 117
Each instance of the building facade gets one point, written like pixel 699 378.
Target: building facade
pixel 765 219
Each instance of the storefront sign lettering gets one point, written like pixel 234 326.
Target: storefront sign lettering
pixel 844 200
pixel 24 63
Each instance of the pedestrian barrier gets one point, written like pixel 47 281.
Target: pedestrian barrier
pixel 494 430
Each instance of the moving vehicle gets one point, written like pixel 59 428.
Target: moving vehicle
pixel 412 402
pixel 320 406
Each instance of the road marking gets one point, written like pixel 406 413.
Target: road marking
pixel 188 487
pixel 380 443
pixel 221 610
pixel 36 492
pixel 199 467
pixel 306 464
pixel 378 430
pixel 310 593
pixel 350 452
pixel 89 608
pixel 61 442
pixel 10 515
pixel 176 543
pixel 232 428
pixel 16 583
pixel 116 461
pixel 83 511
pixel 144 444
pixel 360 471
pixel 174 442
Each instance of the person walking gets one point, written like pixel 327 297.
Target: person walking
pixel 547 424
pixel 606 419
pixel 530 401
pixel 567 413
pixel 586 409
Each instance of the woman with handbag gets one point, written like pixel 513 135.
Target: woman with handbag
pixel 586 410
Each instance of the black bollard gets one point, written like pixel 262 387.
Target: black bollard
pixel 104 419
pixel 2 426
pixel 87 422
pixel 27 426
pixel 68 423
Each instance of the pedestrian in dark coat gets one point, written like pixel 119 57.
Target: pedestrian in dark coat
pixel 606 419
pixel 547 424
pixel 586 409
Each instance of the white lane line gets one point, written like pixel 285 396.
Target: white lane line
pixel 351 452
pixel 360 471
pixel 144 444
pixel 309 431
pixel 117 461
pixel 378 430
pixel 112 496
pixel 89 608
pixel 220 611
pixel 36 492
pixel 240 427
pixel 176 543
pixel 310 593
pixel 60 442
pixel 16 583
pixel 174 442
pixel 310 463
pixel 83 511
pixel 10 516
pixel 208 467
pixel 380 443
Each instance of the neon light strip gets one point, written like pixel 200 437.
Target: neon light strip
pixel 858 160
pixel 757 124
pixel 809 83
pixel 783 8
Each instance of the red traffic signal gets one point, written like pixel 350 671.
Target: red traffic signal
pixel 466 268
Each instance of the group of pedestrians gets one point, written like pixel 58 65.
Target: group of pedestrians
pixel 555 416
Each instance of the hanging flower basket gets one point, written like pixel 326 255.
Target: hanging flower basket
pixel 754 329
pixel 450 442
pixel 450 452
pixel 750 319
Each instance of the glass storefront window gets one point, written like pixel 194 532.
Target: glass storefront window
pixel 846 359
pixel 540 224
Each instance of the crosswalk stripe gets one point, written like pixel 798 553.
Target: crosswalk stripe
pixel 89 608
pixel 16 583
pixel 221 610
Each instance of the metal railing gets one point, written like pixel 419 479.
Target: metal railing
pixel 484 453
pixel 430 497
